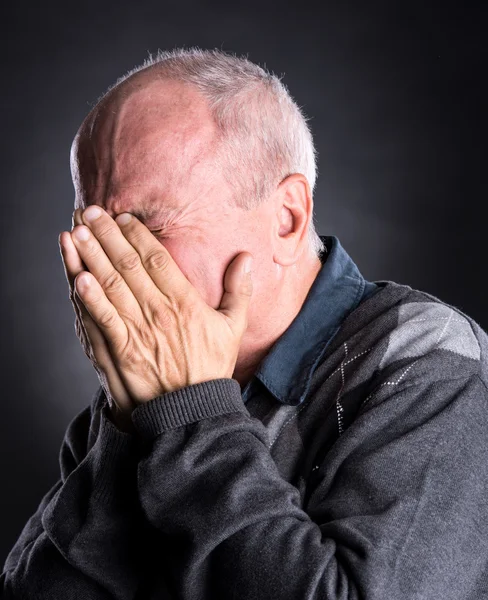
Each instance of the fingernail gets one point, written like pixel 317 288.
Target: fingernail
pixel 123 219
pixel 92 213
pixel 248 265
pixel 82 234
pixel 82 282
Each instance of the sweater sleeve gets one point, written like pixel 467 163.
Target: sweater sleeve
pixel 81 541
pixel 397 508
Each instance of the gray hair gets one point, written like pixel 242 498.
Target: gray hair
pixel 265 133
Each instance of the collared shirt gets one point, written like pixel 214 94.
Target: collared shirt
pixel 337 290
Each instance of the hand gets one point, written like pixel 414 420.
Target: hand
pixel 160 333
pixel 91 338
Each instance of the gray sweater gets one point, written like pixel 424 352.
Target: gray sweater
pixel 373 487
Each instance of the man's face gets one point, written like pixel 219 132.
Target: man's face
pixel 150 152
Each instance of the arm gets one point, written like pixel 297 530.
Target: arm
pixel 80 543
pixel 397 510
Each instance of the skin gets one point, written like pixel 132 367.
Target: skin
pixel 148 148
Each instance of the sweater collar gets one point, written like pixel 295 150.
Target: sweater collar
pixel 287 369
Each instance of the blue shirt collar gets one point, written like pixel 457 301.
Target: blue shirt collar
pixel 337 290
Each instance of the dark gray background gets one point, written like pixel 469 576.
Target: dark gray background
pixel 397 96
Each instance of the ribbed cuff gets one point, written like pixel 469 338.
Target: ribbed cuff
pixel 187 405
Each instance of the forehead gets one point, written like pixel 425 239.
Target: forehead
pixel 138 148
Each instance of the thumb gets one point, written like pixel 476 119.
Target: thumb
pixel 237 292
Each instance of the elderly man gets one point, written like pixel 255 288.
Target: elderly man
pixel 268 424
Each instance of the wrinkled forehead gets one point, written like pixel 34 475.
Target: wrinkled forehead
pixel 154 133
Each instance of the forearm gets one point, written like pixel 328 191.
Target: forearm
pixel 213 487
pixel 240 529
pixel 209 483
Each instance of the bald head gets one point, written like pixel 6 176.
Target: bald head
pixel 215 108
pixel 148 148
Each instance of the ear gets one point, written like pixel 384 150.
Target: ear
pixel 294 210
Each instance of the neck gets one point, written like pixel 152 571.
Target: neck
pixel 283 303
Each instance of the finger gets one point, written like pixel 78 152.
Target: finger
pixel 77 267
pixel 94 343
pixel 102 311
pixel 110 279
pixel 71 259
pixel 76 220
pixel 237 293
pixel 114 386
pixel 86 321
pixel 73 265
pixel 99 348
pixel 77 215
pixel 121 254
pixel 156 260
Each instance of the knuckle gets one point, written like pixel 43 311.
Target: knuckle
pixel 107 319
pixel 156 261
pixel 161 319
pixel 190 310
pixel 137 235
pixel 161 316
pixel 129 262
pixel 92 251
pixel 112 282
pixel 104 231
